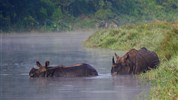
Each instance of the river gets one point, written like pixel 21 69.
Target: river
pixel 19 52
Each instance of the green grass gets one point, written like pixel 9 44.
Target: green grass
pixel 159 36
pixel 164 80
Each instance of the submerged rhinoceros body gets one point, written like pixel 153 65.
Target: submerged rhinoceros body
pixel 135 62
pixel 77 70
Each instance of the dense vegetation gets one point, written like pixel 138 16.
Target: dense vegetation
pixel 161 37
pixel 61 15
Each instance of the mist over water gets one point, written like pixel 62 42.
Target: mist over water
pixel 20 52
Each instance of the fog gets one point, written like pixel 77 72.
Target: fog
pixel 19 53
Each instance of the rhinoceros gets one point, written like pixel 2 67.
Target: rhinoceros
pixel 77 70
pixel 134 62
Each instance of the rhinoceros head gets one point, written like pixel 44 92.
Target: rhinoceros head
pixel 120 66
pixel 40 71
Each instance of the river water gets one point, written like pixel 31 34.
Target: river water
pixel 19 52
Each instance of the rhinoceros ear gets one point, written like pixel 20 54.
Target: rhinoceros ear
pixel 126 57
pixel 46 63
pixel 116 55
pixel 38 64
pixel 113 61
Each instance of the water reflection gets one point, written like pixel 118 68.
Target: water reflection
pixel 19 53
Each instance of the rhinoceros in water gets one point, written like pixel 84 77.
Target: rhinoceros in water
pixel 134 62
pixel 77 70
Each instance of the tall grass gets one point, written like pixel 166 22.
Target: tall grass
pixel 164 80
pixel 159 36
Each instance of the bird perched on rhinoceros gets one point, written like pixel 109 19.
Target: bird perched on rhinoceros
pixel 134 62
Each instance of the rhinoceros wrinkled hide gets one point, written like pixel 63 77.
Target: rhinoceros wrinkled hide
pixel 135 61
pixel 77 70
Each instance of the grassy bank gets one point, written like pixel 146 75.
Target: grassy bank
pixel 161 37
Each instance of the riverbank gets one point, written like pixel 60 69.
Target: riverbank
pixel 159 36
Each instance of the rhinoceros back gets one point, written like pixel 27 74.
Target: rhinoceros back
pixel 145 60
pixel 79 70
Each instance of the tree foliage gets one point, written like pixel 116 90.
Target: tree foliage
pixel 27 15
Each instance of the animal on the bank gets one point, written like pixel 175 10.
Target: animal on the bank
pixel 134 62
pixel 77 70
